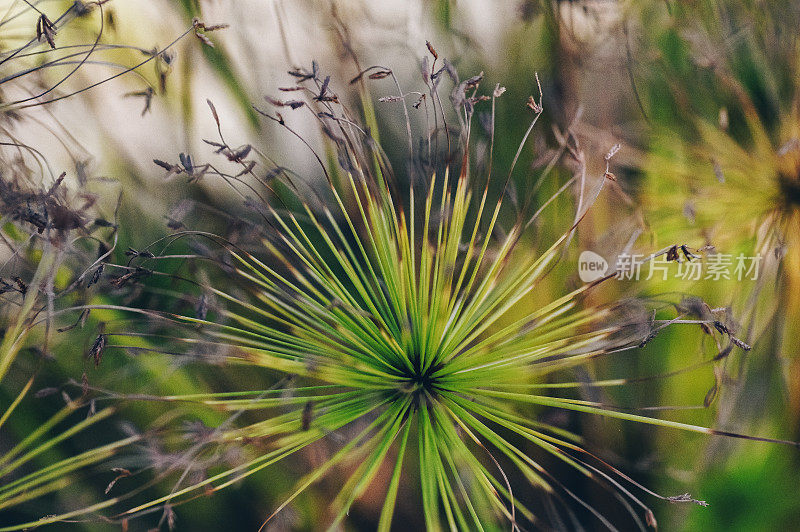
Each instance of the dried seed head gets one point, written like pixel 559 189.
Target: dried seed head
pixel 426 71
pixel 651 519
pixel 45 28
pixel 740 344
pixel 613 151
pixel 121 473
pixel 166 166
pixel 21 286
pixel 294 104
pixel 45 392
pixel 380 74
pixel 686 498
pixel 96 351
pixel 203 39
pixel 201 27
pixel 432 50
pixel 695 306
pixel 534 105
pixel 98 272
pixel 473 82
pixel 537 107
pixel 672 254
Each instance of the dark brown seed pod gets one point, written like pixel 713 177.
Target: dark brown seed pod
pixel 96 351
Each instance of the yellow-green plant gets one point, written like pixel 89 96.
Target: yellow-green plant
pixel 723 167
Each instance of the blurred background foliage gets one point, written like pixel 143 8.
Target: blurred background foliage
pixel 703 96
